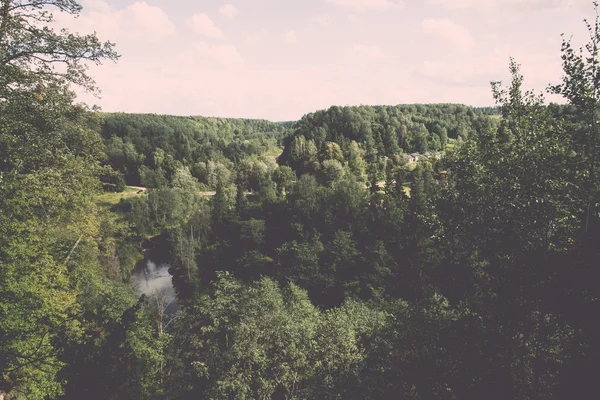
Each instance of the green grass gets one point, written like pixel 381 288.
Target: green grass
pixel 110 199
pixel 274 152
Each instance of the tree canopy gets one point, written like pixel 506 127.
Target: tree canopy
pixel 411 251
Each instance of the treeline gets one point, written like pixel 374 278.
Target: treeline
pixel 148 149
pixel 367 138
pixel 494 110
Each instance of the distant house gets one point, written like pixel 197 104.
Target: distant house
pixel 414 157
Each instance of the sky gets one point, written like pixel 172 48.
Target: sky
pixel 281 59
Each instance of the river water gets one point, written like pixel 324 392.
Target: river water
pixel 152 277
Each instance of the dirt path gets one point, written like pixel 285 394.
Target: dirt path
pixel 203 194
pixel 138 188
pixel 144 190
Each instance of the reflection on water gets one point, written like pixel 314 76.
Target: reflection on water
pixel 152 278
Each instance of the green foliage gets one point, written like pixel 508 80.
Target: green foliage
pixel 284 177
pixel 580 87
pixel 49 165
pixel 33 55
pixel 360 272
pixel 355 135
pixel 471 287
pixel 137 143
pixel 260 341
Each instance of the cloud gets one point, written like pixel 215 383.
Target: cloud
pixel 244 92
pixel 203 25
pixel 365 51
pixel 539 69
pixel 356 21
pixel 369 4
pixel 96 5
pixel 246 76
pixel 225 55
pixel 321 20
pixel 138 22
pixel 458 4
pixel 255 38
pixel 146 18
pixel 456 73
pixel 449 31
pixel 508 5
pixel 228 10
pixel 290 37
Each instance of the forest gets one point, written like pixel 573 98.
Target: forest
pixel 420 251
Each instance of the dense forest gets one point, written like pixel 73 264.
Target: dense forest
pixel 413 251
pixel 148 149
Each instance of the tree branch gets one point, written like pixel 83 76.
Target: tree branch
pixel 72 250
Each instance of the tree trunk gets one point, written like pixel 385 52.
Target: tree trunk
pixel 3 25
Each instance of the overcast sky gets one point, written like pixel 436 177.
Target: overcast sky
pixel 280 59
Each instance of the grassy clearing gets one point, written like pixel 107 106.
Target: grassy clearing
pixel 274 152
pixel 111 199
pixel 272 155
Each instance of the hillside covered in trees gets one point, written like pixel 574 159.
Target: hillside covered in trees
pixel 139 145
pixel 413 251
pixel 371 140
pixel 148 149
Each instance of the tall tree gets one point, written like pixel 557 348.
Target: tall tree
pixel 507 213
pixel 581 87
pixel 48 163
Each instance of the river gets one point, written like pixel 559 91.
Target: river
pixel 152 276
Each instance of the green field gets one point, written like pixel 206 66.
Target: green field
pixel 111 199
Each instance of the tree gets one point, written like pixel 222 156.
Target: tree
pixel 333 152
pixel 504 217
pixel 220 205
pixel 356 162
pixel 283 176
pixel 406 357
pixel 184 180
pixel 261 341
pixel 48 166
pixel 341 255
pixel 581 87
pixel 390 141
pixel 418 138
pixel 31 52
pixel 331 172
